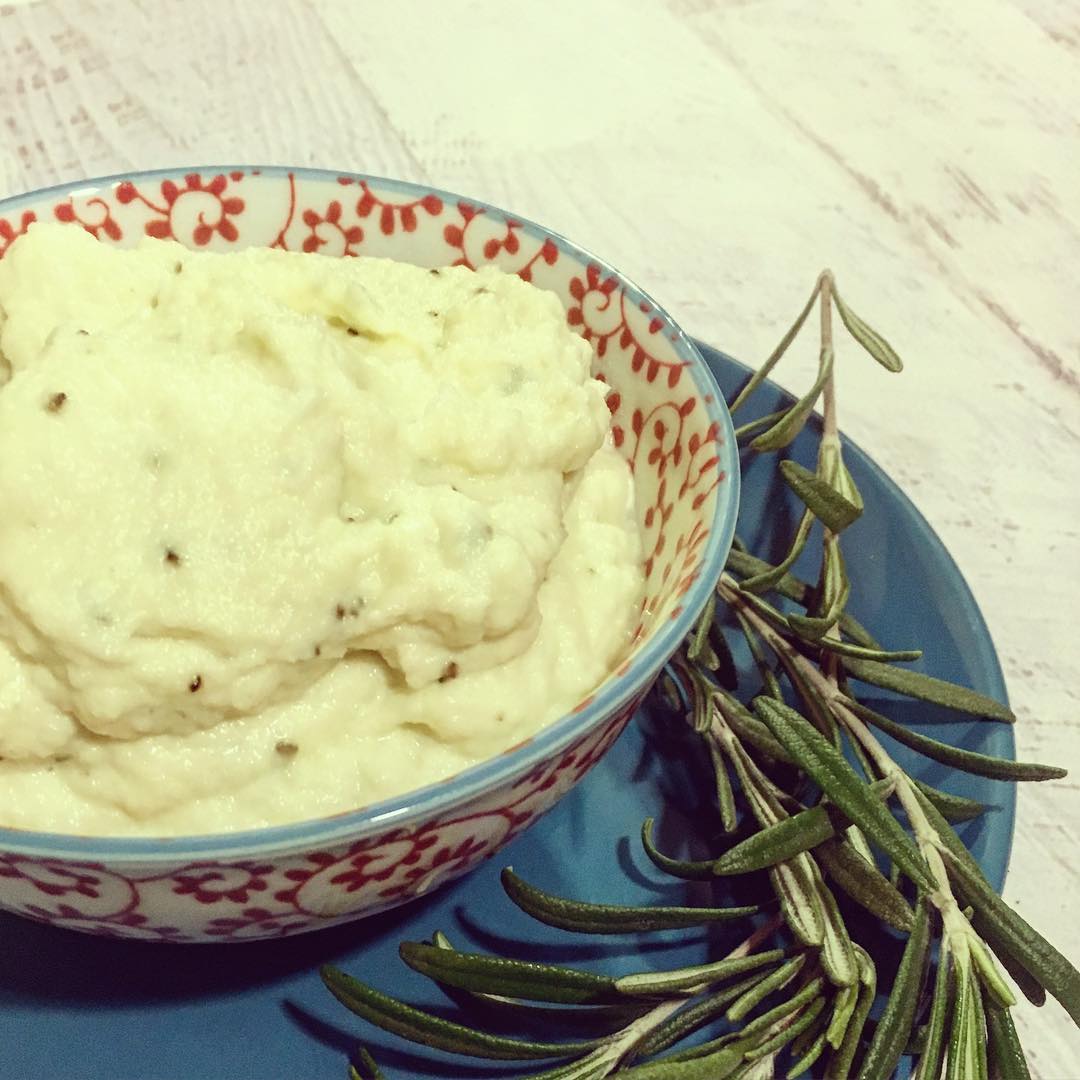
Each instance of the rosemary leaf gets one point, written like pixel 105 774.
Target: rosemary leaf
pixel 861 758
pixel 651 983
pixel 750 729
pixel 784 431
pixel 725 796
pixel 762 373
pixel 969 761
pixel 726 671
pixel 932 1055
pixel 977 1032
pixel 700 700
pixel 418 1026
pixel 777 842
pixel 699 639
pixel 772 982
pixel 365 1061
pixel 1026 945
pixel 839 1066
pixel 788 1031
pixel 952 807
pixel 989 976
pixel 755 427
pixel 817 708
pixel 762 1068
pixel 1006 1055
pixel 807 993
pixel 694 1017
pixel 961 1066
pixel 837 589
pixel 768 579
pixel 837 951
pixel 867 337
pixel 799 902
pixel 529 1012
pixel 775 618
pixel 593 1066
pixel 860 652
pixel 1029 986
pixel 831 508
pixel 795 881
pixel 715 1066
pixel 831 468
pixel 744 565
pixel 805 1039
pixel 844 787
pixel 927 688
pixel 896 1023
pixel 865 884
pixel 843 1010
pixel 585 918
pixel 854 835
pixel 509 978
pixel 680 868
pixel 808 1057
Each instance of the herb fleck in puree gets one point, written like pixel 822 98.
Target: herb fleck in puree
pixel 282 535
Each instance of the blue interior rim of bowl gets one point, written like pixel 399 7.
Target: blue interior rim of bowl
pixel 487 775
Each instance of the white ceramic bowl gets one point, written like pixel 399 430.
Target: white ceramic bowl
pixel 669 421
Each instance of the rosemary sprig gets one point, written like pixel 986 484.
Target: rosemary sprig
pixel 800 768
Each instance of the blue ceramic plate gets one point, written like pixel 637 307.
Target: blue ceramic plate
pixel 84 1007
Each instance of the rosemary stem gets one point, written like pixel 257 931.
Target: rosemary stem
pixel 955 925
pixel 831 430
pixel 831 435
pixel 630 1037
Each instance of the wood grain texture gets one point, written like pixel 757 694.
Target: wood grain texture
pixel 720 153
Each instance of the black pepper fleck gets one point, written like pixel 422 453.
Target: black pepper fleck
pixel 449 672
pixel 178 268
pixel 352 331
pixel 352 610
pixel 82 333
pixel 195 684
pixel 286 748
pixel 172 557
pixel 57 402
pixel 435 271
pixel 318 650
pixel 434 314
pixel 480 291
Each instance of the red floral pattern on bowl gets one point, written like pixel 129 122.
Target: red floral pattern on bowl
pixel 667 420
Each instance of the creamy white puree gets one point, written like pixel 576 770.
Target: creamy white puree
pixel 283 535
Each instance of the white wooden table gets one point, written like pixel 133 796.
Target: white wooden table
pixel 720 152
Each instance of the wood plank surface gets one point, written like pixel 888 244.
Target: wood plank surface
pixel 720 152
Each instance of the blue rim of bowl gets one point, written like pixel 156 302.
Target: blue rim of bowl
pixel 445 794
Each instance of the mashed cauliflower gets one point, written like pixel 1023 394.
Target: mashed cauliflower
pixel 283 535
